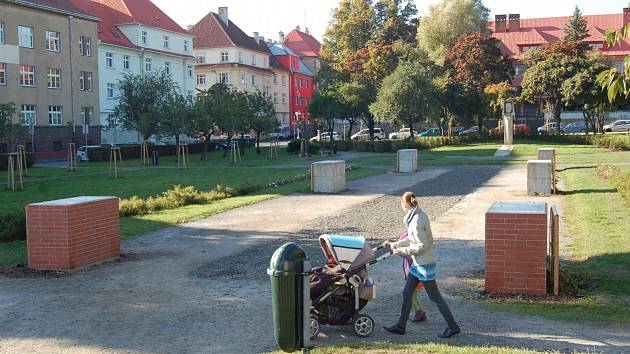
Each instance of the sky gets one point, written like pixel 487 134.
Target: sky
pixel 268 17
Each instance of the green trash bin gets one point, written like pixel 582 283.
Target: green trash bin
pixel 290 293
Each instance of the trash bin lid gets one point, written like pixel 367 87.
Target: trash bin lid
pixel 286 260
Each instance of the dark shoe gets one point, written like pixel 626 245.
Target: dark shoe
pixel 448 333
pixel 394 329
pixel 419 316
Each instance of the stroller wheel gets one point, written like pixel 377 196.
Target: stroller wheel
pixel 315 327
pixel 363 325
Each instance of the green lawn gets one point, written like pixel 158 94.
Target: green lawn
pixel 424 348
pixel 92 179
pixel 597 218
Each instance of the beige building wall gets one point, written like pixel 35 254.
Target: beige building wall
pixel 280 95
pixel 69 96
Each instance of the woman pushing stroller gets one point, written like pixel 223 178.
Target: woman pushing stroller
pixel 418 245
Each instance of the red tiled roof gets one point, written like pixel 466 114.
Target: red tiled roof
pixel 538 31
pixel 303 44
pixel 63 6
pixel 211 32
pixel 119 12
pixel 275 64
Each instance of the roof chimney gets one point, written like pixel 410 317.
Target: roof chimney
pixel 189 27
pixel 297 27
pixel 626 15
pixel 306 30
pixel 262 39
pixel 281 36
pixel 500 23
pixel 223 15
pixel 256 37
pixel 514 22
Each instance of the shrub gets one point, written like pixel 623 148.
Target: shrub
pixel 159 203
pixel 179 196
pixel 293 147
pixel 621 181
pixel 247 188
pixel 606 171
pixel 132 206
pixel 574 281
pixel 12 226
pixel 4 160
pixel 621 142
pixel 133 151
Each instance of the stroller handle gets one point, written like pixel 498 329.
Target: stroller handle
pixel 377 248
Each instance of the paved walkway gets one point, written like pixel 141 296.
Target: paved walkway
pixel 201 287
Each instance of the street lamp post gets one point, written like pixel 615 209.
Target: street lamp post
pixel 299 119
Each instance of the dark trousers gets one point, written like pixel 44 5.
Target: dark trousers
pixel 434 295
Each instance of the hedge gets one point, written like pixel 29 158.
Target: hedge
pixel 4 160
pixel 420 143
pixel 293 147
pixel 133 151
pixel 611 141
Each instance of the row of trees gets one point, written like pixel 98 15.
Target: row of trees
pixel 151 104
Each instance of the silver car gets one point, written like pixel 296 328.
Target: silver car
pixel 364 134
pixel 622 125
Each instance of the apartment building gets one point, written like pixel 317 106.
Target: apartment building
pixel 136 37
pixel 304 45
pixel 281 95
pixel 49 70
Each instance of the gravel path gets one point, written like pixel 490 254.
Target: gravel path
pixel 202 287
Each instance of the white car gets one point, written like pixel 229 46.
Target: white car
pixel 548 128
pixel 325 136
pixel 622 125
pixel 364 134
pixel 82 152
pixel 403 133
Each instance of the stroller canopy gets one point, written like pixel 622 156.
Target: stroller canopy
pixel 350 252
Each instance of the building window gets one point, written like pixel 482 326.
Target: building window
pixel 87 115
pixel 253 80
pixel 55 116
pixel 306 100
pixel 243 79
pixel 275 79
pixel 28 115
pixel 201 58
pixel 596 45
pixel 224 78
pixel 126 62
pixel 185 46
pixel 145 37
pixel 167 67
pixel 109 60
pixel 225 56
pixel 3 74
pixel 265 62
pixel 275 97
pixel 307 83
pixel 112 121
pixel 527 48
pixel 111 90
pixel 519 69
pixel 190 70
pixel 201 79
pixel 1 32
pixel 148 64
pixel 25 36
pixel 166 42
pixel 253 59
pixel 284 80
pixel 85 81
pixel 54 78
pixel 297 101
pixel 284 98
pixel 618 65
pixel 240 57
pixel 27 75
pixel 85 46
pixel 296 82
pixel 53 41
pixel 301 101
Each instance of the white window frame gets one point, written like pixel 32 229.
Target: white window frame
pixel 54 78
pixel 240 57
pixel 307 83
pixel 191 70
pixel 275 79
pixel 3 74
pixel 254 59
pixel 284 98
pixel 112 121
pixel 275 97
pixel 201 79
pixel 31 111
pixel 126 63
pixel 145 37
pixel 225 57
pixel 1 32
pixel 85 46
pixel 85 81
pixel 148 64
pixel 89 111
pixel 186 46
pixel 55 115
pixel 53 41
pixel 284 80
pixel 265 62
pixel 167 67
pixel 253 80
pixel 25 81
pixel 165 42
pixel 111 90
pixel 25 36
pixel 109 59
pixel 201 58
pixel 244 79
pixel 223 78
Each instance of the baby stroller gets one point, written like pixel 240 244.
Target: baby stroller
pixel 342 288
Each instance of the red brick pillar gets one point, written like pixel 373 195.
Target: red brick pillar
pixel 516 248
pixel 71 233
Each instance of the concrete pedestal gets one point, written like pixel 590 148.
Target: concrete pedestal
pixel 71 233
pixel 407 160
pixel 328 177
pixel 547 154
pixel 539 175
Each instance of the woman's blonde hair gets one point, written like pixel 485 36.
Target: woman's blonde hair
pixel 409 200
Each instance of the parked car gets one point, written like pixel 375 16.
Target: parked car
pixel 432 132
pixel 575 127
pixel 223 143
pixel 82 152
pixel 325 136
pixel 281 133
pixel 550 127
pixel 474 130
pixel 521 128
pixel 622 125
pixel 364 134
pixel 403 133
pixel 457 130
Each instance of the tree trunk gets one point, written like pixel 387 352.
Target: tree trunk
pixel 331 128
pixel 557 107
pixel 586 120
pixel 206 145
pixel 410 130
pixel 351 125
pixel 258 143
pixel 229 139
pixel 177 147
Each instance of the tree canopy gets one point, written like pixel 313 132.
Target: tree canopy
pixel 262 115
pixel 576 29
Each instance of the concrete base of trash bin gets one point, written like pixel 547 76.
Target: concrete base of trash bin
pixel 328 177
pixel 539 174
pixel 407 160
pixel 547 154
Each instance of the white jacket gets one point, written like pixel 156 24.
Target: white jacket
pixel 419 241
